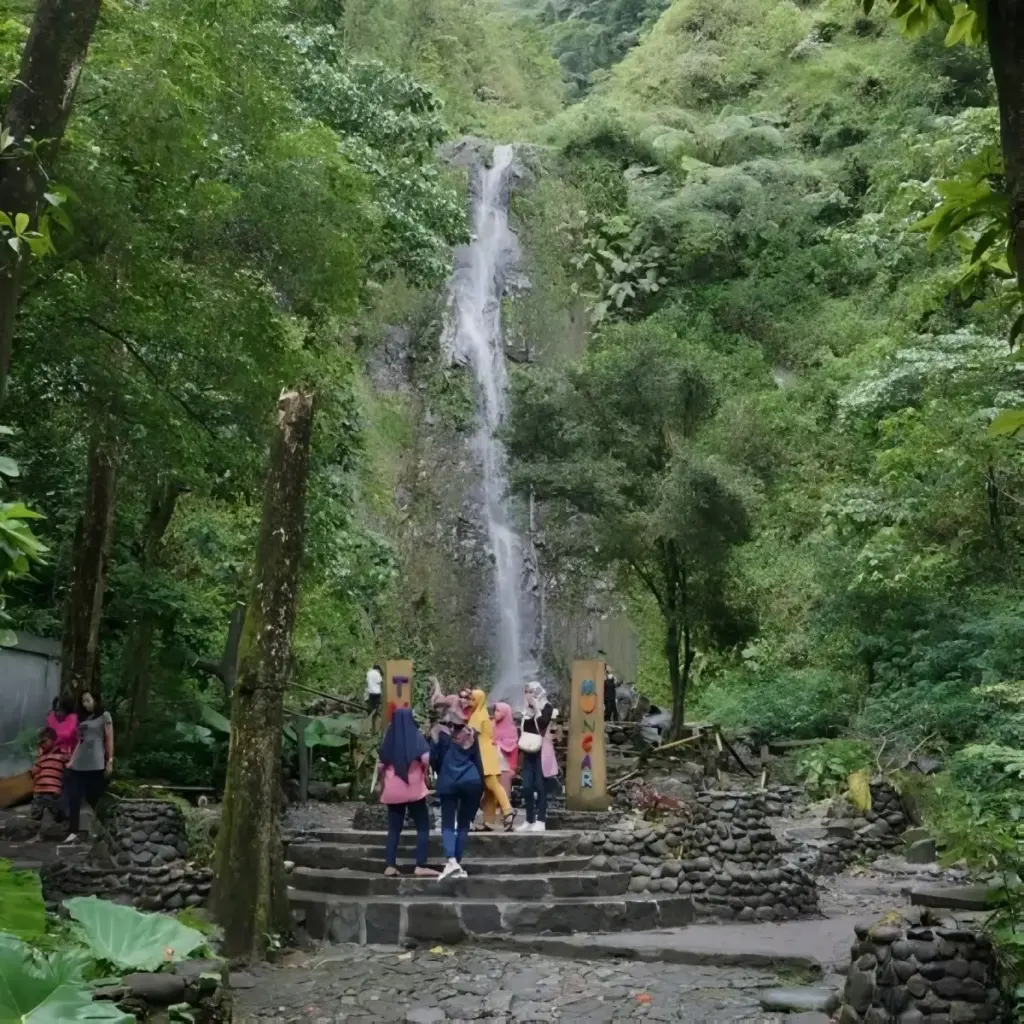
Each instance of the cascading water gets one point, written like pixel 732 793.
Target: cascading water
pixel 475 337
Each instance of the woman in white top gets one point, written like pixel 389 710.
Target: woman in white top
pixel 374 685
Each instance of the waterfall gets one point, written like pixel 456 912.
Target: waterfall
pixel 474 337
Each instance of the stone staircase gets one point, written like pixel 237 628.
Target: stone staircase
pixel 519 883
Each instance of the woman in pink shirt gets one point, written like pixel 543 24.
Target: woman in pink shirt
pixel 404 757
pixel 64 723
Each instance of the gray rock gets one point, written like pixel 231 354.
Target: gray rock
pixel 638 883
pixel 425 1015
pixel 158 989
pixel 822 1000
pixel 860 990
pixel 923 851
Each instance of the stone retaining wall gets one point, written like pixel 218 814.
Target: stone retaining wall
pixel 855 836
pixel 916 974
pixel 719 850
pixel 170 887
pixel 144 833
pixel 140 859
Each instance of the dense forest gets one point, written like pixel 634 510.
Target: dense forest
pixel 772 313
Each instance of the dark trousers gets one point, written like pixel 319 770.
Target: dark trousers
pixel 535 793
pixel 611 710
pixel 81 786
pixel 458 810
pixel 396 818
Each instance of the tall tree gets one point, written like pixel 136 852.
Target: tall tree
pixel 90 556
pixel 34 121
pixel 250 899
pixel 613 447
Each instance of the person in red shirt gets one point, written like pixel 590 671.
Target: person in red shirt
pixel 64 723
pixel 48 777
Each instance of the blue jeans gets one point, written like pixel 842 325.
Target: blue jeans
pixel 535 793
pixel 420 818
pixel 457 812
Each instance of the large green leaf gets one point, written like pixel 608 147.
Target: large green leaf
pixel 214 719
pixel 47 990
pixel 129 938
pixel 22 911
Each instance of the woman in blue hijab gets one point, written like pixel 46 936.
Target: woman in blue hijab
pixel 404 756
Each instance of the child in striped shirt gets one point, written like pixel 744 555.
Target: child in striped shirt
pixel 48 777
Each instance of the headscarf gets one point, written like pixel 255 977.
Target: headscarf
pixel 536 691
pixel 479 715
pixel 403 743
pixel 453 711
pixel 505 734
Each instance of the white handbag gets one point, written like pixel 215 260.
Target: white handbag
pixel 529 742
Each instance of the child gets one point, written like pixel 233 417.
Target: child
pixel 48 777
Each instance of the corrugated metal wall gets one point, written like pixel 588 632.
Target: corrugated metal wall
pixel 29 680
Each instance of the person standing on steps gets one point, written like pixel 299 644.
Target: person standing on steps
pixel 92 762
pixel 455 758
pixel 611 706
pixel 374 694
pixel 536 720
pixel 507 737
pixel 494 795
pixel 403 760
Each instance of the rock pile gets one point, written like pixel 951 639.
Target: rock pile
pixel 146 833
pixel 719 851
pixel 914 974
pixel 144 861
pixel 856 836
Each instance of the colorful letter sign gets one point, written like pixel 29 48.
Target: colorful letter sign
pixel 585 780
pixel 397 687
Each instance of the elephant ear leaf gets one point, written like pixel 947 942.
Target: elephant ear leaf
pixel 22 911
pixel 859 786
pixel 130 939
pixel 35 989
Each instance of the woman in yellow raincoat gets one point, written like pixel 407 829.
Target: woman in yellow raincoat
pixel 494 794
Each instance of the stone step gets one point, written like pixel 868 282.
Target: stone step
pixel 955 897
pixel 478 844
pixel 337 857
pixel 585 885
pixel 397 919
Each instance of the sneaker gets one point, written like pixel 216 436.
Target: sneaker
pixel 462 872
pixel 539 826
pixel 73 838
pixel 451 870
pixel 527 826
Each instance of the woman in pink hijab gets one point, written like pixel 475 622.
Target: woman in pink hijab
pixel 507 737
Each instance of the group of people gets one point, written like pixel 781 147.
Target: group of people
pixel 74 759
pixel 474 753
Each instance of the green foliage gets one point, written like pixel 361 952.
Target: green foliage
pixel 620 264
pixel 614 445
pixel 22 911
pixel 825 769
pixel 799 704
pixel 130 939
pixel 48 989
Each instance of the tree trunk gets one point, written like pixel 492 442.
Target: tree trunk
pixel 138 644
pixel 38 109
pixel 84 606
pixel 1006 53
pixel 675 675
pixel 250 899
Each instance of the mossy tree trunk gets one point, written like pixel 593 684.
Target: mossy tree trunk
pixel 250 899
pixel 1006 53
pixel 91 553
pixel 38 108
